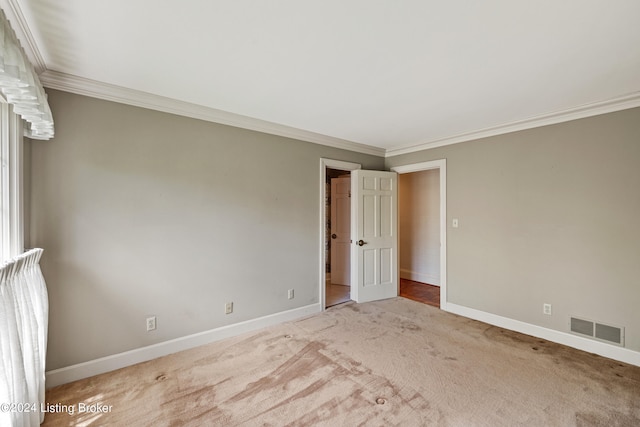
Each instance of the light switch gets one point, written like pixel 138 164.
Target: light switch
pixel 454 223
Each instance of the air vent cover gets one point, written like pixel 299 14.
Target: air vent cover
pixel 598 331
pixel 580 326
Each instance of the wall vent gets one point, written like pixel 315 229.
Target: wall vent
pixel 598 331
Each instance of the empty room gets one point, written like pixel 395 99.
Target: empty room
pixel 320 213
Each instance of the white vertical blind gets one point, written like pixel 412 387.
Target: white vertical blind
pixel 21 87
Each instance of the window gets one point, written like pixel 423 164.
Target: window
pixel 23 111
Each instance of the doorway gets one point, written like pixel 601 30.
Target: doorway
pixel 423 241
pixel 440 165
pixel 335 220
pixel 338 237
pixel 419 234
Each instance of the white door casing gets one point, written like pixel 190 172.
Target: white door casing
pixel 340 230
pixel 374 230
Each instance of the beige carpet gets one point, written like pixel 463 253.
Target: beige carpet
pixel 393 362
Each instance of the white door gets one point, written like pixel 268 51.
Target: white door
pixel 374 231
pixel 340 231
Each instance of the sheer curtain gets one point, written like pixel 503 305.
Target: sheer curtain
pixel 24 311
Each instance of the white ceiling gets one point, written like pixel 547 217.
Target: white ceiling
pixel 388 74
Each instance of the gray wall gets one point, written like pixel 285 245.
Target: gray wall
pixel 144 213
pixel 547 215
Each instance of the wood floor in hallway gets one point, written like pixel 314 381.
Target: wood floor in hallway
pixel 421 292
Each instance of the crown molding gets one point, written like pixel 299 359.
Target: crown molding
pixel 109 92
pixel 19 24
pixel 593 109
pixel 100 90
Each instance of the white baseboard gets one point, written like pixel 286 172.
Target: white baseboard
pixel 420 277
pixel 128 358
pixel 607 350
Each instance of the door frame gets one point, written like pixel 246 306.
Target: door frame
pixel 324 164
pixel 441 165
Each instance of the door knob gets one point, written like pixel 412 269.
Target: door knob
pixel 333 236
pixel 361 242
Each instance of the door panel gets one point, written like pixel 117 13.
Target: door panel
pixel 374 230
pixel 368 221
pixel 386 216
pixel 386 270
pixel 369 264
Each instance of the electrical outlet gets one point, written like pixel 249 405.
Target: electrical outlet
pixel 546 309
pixel 151 323
pixel 290 294
pixel 228 308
